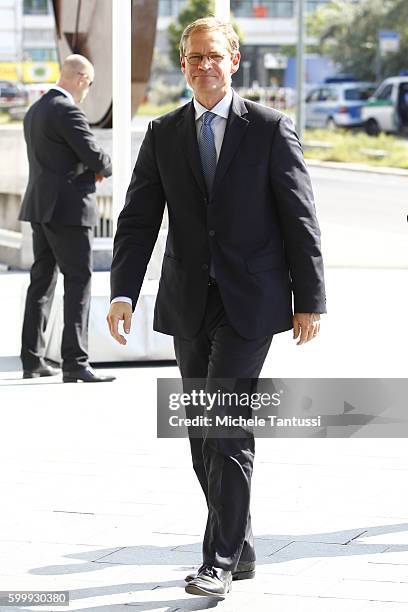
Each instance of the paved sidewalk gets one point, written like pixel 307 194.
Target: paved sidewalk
pixel 92 502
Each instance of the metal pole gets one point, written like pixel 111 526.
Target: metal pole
pixel 247 67
pixel 121 94
pixel 18 24
pixel 222 9
pixel 378 61
pixel 300 70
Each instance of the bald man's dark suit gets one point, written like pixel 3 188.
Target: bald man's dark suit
pixel 259 228
pixel 60 204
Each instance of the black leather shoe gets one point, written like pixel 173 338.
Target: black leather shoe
pixel 41 370
pixel 211 582
pixel 244 571
pixel 85 375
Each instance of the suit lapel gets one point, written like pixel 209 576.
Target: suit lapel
pixel 234 131
pixel 189 145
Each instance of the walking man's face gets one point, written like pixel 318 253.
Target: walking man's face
pixel 208 65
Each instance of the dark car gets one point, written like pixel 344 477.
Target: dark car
pixel 11 95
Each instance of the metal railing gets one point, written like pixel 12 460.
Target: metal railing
pixel 104 227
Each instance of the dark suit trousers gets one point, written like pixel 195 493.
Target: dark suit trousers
pixel 223 465
pixel 69 248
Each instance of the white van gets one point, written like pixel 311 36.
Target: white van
pixel 387 109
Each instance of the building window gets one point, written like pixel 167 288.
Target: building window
pixel 40 55
pixel 312 5
pixel 38 37
pixel 35 7
pixel 171 8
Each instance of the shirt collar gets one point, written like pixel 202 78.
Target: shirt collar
pixel 65 92
pixel 222 108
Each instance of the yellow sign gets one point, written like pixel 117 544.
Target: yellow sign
pixel 8 71
pixel 40 72
pixel 30 72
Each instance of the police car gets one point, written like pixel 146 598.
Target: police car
pixel 337 103
pixel 387 109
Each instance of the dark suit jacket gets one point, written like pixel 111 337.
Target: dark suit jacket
pixel 258 225
pixel 63 158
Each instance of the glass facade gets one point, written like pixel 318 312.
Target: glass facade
pixel 41 55
pixel 35 7
pixel 284 9
pixel 267 8
pixel 171 8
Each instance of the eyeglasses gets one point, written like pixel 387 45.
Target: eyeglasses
pixel 196 58
pixel 87 76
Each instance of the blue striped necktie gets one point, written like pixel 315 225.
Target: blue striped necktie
pixel 207 149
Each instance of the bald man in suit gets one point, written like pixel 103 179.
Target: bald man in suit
pixel 65 162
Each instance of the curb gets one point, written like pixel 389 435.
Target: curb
pixel 356 167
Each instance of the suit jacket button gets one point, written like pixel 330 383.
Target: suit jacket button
pixel 211 233
pixel 204 267
pixel 205 201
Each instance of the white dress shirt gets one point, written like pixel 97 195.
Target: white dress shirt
pixel 219 123
pixel 65 92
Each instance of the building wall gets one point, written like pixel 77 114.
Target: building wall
pixel 268 26
pixel 27 41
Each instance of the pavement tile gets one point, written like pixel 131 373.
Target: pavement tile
pixel 48 559
pixel 299 603
pixel 134 535
pixel 149 555
pixel 56 528
pixel 282 584
pixel 396 533
pixel 382 606
pixel 277 525
pixel 360 568
pixel 264 548
pixel 299 557
pixel 397 554
pixel 386 591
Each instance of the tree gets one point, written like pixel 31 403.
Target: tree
pixel 347 32
pixel 195 9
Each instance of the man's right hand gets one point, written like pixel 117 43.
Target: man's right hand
pixel 99 178
pixel 119 311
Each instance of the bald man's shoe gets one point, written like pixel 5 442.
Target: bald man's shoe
pixel 86 375
pixel 41 370
pixel 245 570
pixel 210 581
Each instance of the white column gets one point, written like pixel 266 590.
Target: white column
pixel 121 95
pixel 222 9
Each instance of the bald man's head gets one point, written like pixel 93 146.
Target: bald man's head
pixel 77 75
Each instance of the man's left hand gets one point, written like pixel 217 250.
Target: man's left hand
pixel 306 326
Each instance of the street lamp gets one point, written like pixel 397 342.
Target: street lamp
pixel 300 69
pixel 246 65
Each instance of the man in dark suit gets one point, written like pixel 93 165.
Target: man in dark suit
pixel 243 240
pixel 64 163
